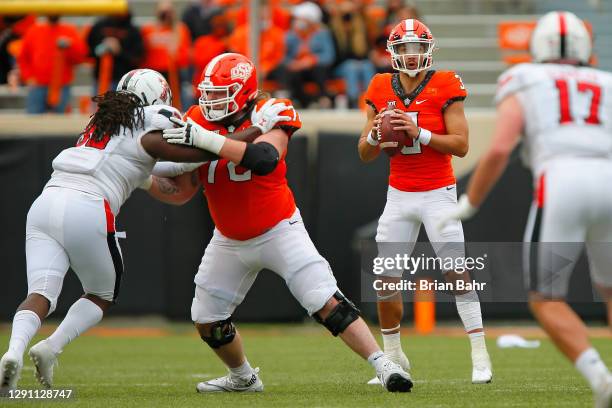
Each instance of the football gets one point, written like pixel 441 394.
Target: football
pixel 391 141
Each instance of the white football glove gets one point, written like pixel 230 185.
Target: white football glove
pixel 462 211
pixel 268 115
pixel 192 134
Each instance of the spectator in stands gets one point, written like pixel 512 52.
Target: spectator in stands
pixel 198 15
pixel 379 55
pixel 49 52
pixel 8 34
pixel 115 39
pixel 208 46
pixel 353 65
pixel 271 41
pixel 167 45
pixel 310 54
pixel 398 10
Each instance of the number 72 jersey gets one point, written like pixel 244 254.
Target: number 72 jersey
pixel 566 110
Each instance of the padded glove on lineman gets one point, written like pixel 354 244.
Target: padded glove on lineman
pixel 268 115
pixel 462 211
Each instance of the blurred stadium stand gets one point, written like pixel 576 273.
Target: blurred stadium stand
pixel 466 33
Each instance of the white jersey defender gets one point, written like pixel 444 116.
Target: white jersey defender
pixel 114 167
pixel 568 146
pixel 567 111
pixel 72 222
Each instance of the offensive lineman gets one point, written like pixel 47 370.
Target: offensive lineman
pixel 257 225
pixel 563 107
pixel 72 222
pixel 429 109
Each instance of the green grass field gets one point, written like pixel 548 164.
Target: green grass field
pixel 304 366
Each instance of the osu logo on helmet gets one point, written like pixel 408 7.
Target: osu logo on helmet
pixel 228 84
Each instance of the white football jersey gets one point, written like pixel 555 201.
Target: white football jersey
pixel 567 111
pixel 115 166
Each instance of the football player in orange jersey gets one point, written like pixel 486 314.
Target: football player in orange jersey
pixel 257 224
pixel 429 109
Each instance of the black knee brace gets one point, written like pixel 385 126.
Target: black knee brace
pixel 221 333
pixel 341 316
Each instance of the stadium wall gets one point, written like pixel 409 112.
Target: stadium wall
pixel 340 199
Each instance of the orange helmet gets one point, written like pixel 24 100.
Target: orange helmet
pixel 411 46
pixel 228 83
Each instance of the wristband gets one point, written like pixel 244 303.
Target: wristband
pixel 371 140
pixel 424 136
pixel 211 141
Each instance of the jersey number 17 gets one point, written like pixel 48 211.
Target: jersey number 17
pixel 565 114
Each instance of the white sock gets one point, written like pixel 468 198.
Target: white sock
pixel 468 307
pixel 591 367
pixel 477 340
pixel 377 359
pixel 25 325
pixel 243 371
pixel 392 343
pixel 82 315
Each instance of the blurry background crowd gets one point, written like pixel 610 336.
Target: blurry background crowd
pixel 320 53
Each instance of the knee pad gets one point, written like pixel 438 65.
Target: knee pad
pixel 221 333
pixel 341 316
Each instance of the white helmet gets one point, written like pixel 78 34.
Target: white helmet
pixel 150 86
pixel 560 35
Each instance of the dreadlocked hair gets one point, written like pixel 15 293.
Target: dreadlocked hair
pixel 115 109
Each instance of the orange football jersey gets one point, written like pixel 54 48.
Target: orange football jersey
pixel 419 167
pixel 244 205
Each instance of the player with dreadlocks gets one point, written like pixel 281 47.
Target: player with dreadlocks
pixel 72 222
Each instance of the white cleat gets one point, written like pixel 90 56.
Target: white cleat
pixel 393 378
pixel 10 370
pixel 232 384
pixel 398 358
pixel 482 372
pixel 44 360
pixel 603 394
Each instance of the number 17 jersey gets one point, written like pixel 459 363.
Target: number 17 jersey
pixel 566 110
